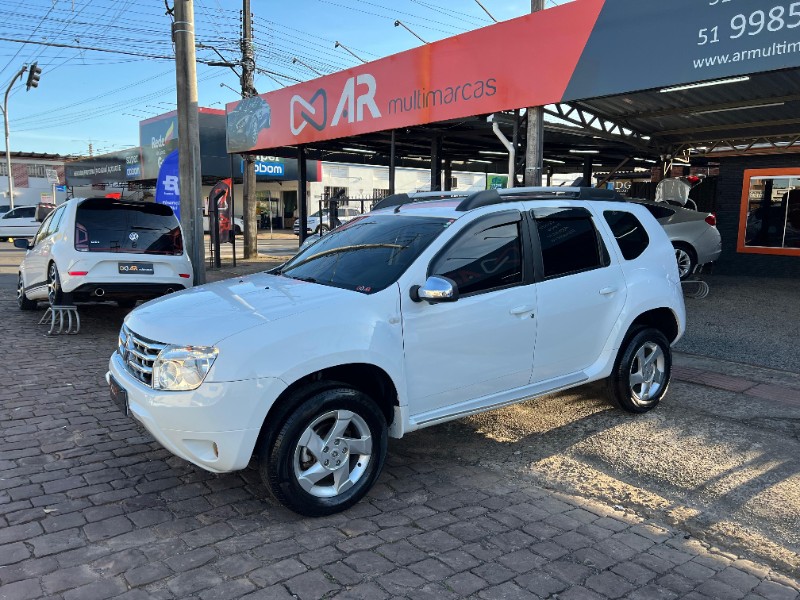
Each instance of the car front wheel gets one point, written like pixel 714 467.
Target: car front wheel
pixel 642 372
pixel 55 294
pixel 23 301
pixel 326 453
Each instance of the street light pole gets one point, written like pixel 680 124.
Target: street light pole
pixel 8 152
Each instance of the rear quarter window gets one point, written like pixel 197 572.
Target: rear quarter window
pixel 630 234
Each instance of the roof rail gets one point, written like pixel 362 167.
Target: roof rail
pixel 398 200
pixel 393 200
pixel 490 197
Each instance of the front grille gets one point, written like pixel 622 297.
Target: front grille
pixel 139 354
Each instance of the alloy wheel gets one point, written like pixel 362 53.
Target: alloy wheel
pixel 332 453
pixel 647 373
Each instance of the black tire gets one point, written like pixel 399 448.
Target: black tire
pixel 686 257
pixel 623 386
pixel 23 301
pixel 322 228
pixel 55 295
pixel 127 302
pixel 282 458
pixel 237 230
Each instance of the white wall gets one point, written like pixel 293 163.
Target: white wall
pixel 31 195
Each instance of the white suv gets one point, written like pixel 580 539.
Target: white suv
pixel 103 249
pixel 427 309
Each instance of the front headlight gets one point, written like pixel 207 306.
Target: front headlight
pixel 180 368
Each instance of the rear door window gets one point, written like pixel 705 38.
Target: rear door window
pixel 103 225
pixel 569 241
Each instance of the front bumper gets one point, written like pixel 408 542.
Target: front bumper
pixel 214 427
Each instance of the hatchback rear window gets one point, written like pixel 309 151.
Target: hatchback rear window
pixel 104 225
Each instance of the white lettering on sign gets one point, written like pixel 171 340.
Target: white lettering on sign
pixel 171 184
pixel 352 102
pixel 348 100
pixel 269 169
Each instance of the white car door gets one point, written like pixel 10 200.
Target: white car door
pixel 20 222
pixel 482 343
pixel 38 257
pixel 581 292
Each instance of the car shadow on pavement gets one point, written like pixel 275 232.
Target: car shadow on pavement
pixel 577 443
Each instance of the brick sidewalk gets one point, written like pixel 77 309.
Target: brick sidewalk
pixel 91 508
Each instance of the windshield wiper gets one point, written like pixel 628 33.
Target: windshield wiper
pixel 342 249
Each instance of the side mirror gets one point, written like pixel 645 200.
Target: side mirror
pixel 22 243
pixel 436 289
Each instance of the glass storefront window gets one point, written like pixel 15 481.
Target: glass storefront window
pixel 770 216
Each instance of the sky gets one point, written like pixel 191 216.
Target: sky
pixel 96 98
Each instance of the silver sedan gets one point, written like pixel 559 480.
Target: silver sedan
pixel 693 234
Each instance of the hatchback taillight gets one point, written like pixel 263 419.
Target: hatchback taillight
pixel 712 220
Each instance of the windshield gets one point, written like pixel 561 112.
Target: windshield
pixel 104 225
pixel 366 254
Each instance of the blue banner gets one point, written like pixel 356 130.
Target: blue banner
pixel 168 184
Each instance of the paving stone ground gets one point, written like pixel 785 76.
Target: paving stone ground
pixel 91 507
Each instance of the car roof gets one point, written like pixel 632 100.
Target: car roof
pixel 455 204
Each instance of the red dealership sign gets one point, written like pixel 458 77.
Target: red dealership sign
pixel 570 52
pixel 469 74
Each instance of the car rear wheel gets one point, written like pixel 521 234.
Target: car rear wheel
pixel 642 372
pixel 326 452
pixel 322 228
pixel 23 301
pixel 55 294
pixel 686 258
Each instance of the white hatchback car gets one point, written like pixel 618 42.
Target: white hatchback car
pixel 19 223
pixel 103 249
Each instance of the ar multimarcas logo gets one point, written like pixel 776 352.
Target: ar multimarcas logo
pixel 351 105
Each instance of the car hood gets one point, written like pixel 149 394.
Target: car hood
pixel 206 314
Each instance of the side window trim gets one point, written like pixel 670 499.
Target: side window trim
pixel 506 217
pixel 42 232
pixel 58 215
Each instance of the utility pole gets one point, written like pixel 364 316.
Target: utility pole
pixel 534 153
pixel 8 152
pixel 189 137
pixel 249 174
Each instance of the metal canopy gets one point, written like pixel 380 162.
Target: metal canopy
pixel 471 145
pixel 760 114
pixel 757 115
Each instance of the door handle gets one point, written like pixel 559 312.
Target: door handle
pixel 521 310
pixel 607 291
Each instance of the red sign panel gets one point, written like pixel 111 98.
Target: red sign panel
pixel 584 49
pixel 474 73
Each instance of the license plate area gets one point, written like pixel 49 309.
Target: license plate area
pixel 135 268
pixel 118 395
